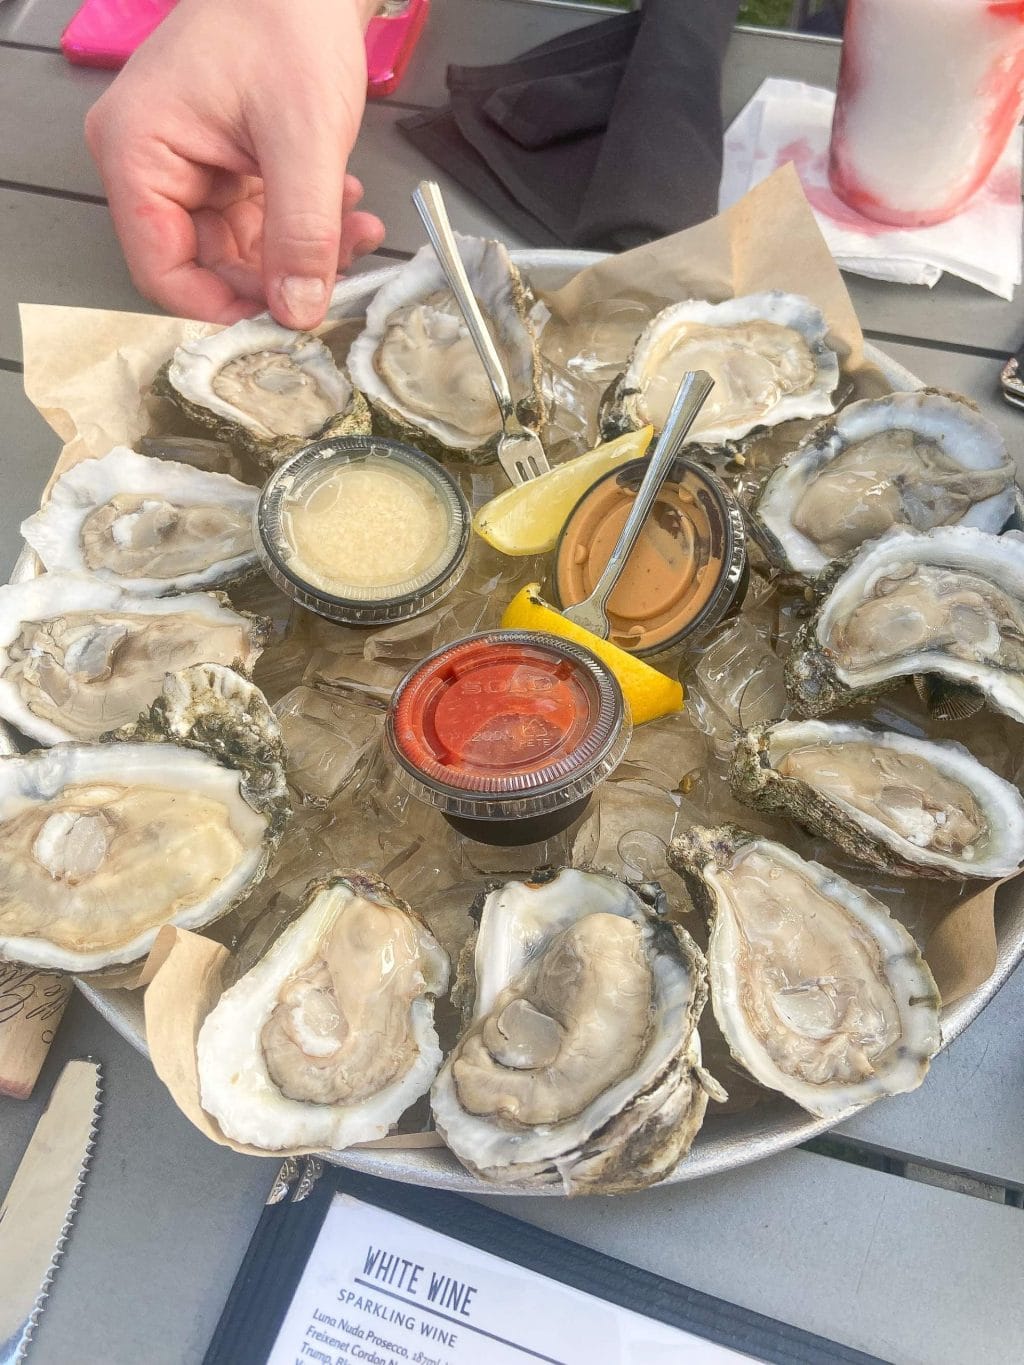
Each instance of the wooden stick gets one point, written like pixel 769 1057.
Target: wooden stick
pixel 31 1006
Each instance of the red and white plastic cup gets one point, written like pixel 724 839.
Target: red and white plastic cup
pixel 929 94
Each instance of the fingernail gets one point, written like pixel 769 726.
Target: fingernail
pixel 304 296
pixel 365 246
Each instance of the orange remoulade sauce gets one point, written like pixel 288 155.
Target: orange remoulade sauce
pixel 678 568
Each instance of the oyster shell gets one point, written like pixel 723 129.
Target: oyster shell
pixel 171 822
pixel 819 992
pixel 263 388
pixel 79 656
pixel 330 1037
pixel 767 354
pixel 150 526
pixel 921 460
pixel 581 1065
pixel 419 369
pixel 948 602
pixel 909 806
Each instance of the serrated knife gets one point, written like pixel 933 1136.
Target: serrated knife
pixel 39 1208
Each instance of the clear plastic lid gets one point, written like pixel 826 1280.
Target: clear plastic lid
pixel 363 530
pixel 507 724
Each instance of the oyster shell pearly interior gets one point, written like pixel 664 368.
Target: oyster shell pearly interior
pixel 581 1065
pixel 263 388
pixel 915 807
pixel 819 992
pixel 921 460
pixel 169 823
pixel 948 602
pixel 151 526
pixel 418 367
pixel 330 1037
pixel 767 354
pixel 79 656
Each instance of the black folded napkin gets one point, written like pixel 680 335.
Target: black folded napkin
pixel 606 137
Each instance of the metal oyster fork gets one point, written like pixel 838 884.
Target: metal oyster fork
pixel 520 452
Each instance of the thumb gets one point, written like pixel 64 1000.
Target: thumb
pixel 303 170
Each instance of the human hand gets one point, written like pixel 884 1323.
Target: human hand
pixel 223 145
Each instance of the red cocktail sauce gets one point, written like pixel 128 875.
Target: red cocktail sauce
pixel 507 733
pixel 492 712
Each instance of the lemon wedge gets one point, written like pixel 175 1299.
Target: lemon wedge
pixel 526 519
pixel 649 694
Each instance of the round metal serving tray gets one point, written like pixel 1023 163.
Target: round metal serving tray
pixel 725 1142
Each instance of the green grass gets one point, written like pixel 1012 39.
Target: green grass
pixel 767 13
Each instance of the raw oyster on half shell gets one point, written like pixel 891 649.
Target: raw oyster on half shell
pixel 767 354
pixel 418 367
pixel 264 388
pixel 921 460
pixel 330 1037
pixel 819 992
pixel 581 1064
pixel 171 822
pixel 947 603
pixel 909 806
pixel 150 526
pixel 79 656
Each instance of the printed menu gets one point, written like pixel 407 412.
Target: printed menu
pixel 380 1289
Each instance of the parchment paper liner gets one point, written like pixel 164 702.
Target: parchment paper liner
pixel 185 982
pixel 88 372
pixel 768 240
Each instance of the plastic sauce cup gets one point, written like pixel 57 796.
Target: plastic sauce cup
pixel 686 572
pixel 507 733
pixel 363 530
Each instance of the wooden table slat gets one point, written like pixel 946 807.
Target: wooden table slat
pixel 36 21
pixel 51 98
pixel 54 251
pixel 30 448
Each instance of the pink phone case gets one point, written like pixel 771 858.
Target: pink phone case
pixel 391 37
pixel 107 32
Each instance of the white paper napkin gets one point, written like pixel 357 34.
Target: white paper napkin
pixel 789 121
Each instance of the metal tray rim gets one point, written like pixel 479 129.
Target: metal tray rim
pixel 773 1128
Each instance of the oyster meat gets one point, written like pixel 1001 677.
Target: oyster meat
pixel 767 354
pixel 263 388
pixel 819 992
pixel 581 1065
pixel 948 603
pixel 330 1037
pixel 921 460
pixel 79 656
pixel 417 364
pixel 909 806
pixel 170 823
pixel 150 526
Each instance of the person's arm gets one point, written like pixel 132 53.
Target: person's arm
pixel 223 146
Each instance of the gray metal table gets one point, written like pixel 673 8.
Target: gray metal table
pixel 905 1238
